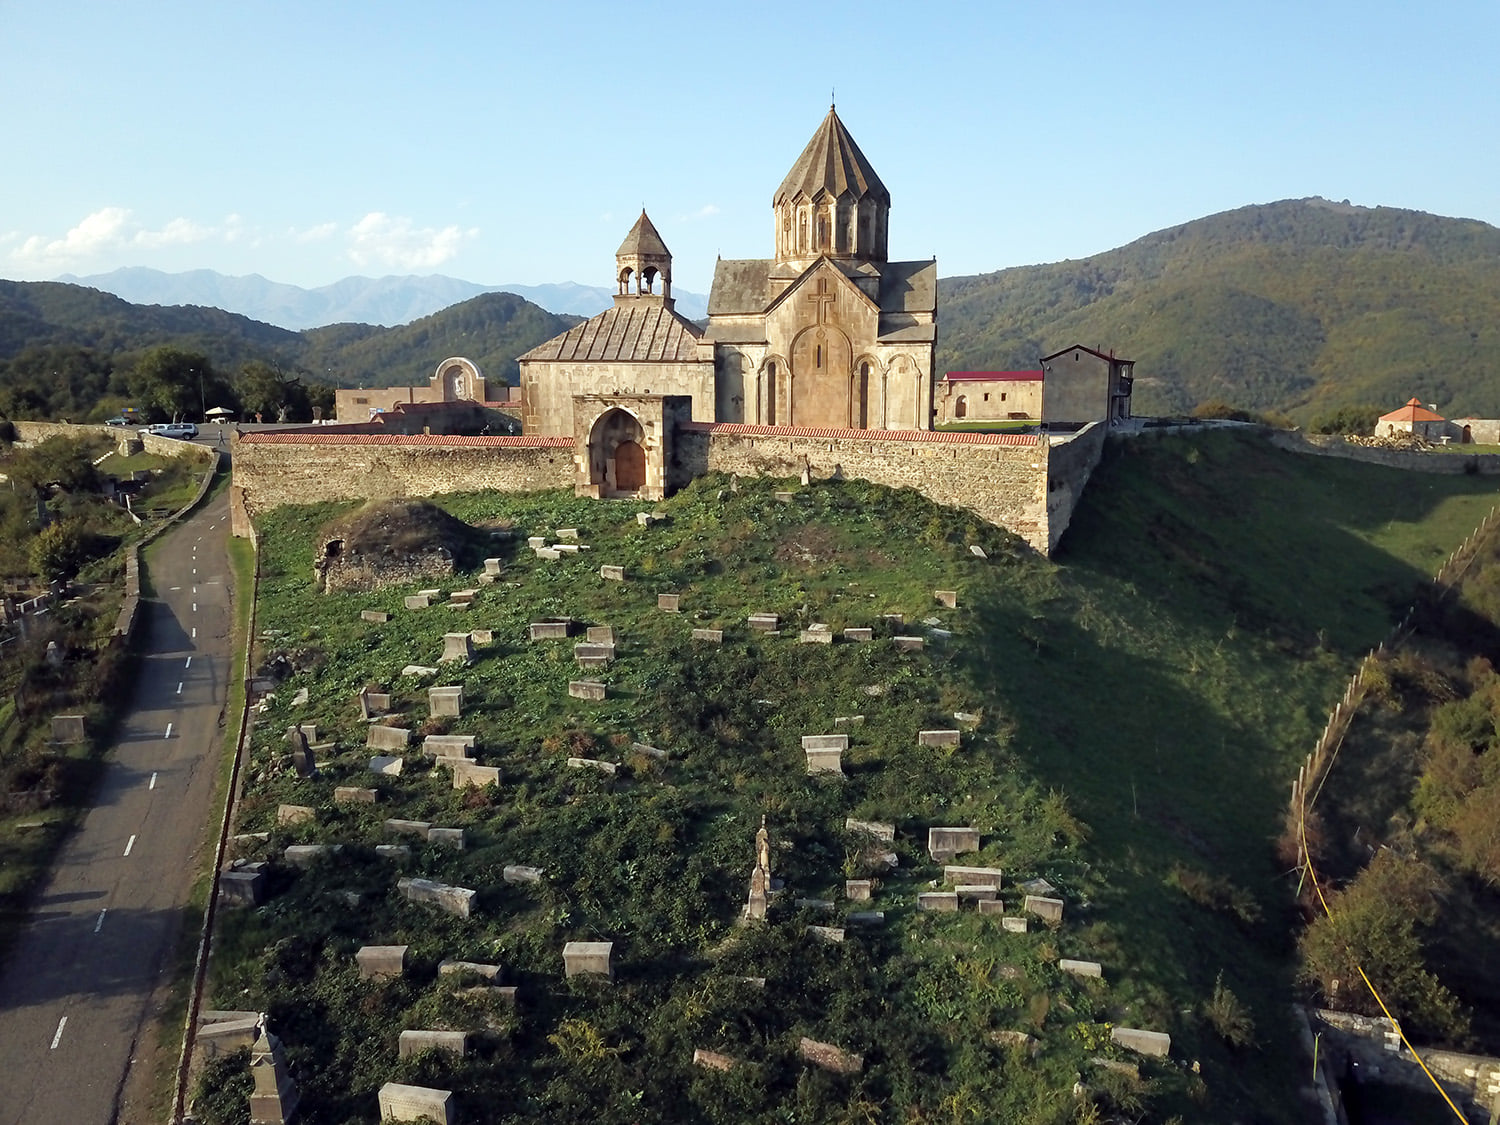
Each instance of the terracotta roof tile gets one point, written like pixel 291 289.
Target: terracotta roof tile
pixel 993 376
pixel 930 436
pixel 314 437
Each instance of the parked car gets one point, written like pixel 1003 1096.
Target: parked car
pixel 118 420
pixel 183 430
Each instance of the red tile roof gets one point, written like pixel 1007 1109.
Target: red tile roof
pixel 316 437
pixel 1413 411
pixel 993 376
pixel 940 438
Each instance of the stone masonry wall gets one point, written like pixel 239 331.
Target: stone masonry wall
pixel 1001 478
pixel 1331 445
pixel 32 432
pixel 274 469
pixel 1070 463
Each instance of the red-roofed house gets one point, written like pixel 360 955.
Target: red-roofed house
pixel 1414 419
pixel 988 396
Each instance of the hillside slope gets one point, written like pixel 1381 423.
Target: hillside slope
pixel 1299 306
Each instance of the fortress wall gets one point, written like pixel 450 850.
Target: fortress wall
pixel 1002 481
pixel 1070 463
pixel 282 468
pixel 1331 445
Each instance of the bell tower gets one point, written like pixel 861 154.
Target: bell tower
pixel 641 261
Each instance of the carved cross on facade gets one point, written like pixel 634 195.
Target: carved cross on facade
pixel 823 298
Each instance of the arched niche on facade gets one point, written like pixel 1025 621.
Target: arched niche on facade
pixel 617 454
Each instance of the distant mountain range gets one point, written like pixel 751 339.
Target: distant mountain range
pixel 1302 306
pixel 385 301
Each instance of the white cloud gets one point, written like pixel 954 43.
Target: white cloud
pixel 394 242
pixel 108 230
pixel 320 233
pixel 706 211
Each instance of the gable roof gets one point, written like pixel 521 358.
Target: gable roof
pixel 832 163
pixel 1092 351
pixel 741 286
pixel 1413 411
pixel 843 281
pixel 631 331
pixel 643 240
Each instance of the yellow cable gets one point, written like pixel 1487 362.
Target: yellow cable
pixel 1313 874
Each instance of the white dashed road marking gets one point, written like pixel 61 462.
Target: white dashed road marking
pixel 153 782
pixel 169 731
pixel 99 925
pixel 56 1039
pixel 130 843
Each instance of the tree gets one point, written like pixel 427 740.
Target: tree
pixel 173 382
pixel 60 549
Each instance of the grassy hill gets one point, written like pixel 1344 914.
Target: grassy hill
pixel 1299 306
pixel 1141 703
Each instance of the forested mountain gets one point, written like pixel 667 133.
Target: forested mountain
pixel 1299 306
pixel 67 351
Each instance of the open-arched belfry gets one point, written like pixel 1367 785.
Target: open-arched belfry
pixel 829 333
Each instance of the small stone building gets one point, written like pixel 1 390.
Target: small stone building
pixel 1414 419
pixel 456 380
pixel 988 396
pixel 1081 385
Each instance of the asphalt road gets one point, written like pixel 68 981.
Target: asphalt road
pixel 75 991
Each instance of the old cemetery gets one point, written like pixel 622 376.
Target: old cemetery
pixel 840 807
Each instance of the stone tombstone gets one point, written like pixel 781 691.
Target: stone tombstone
pixel 482 636
pixel 463 595
pixel 712 1059
pixel 599 634
pixel 400 853
pixel 855 633
pixel 304 761
pixel 589 958
pixel 821 760
pixel 536 541
pixel 400 1102
pixel 975 892
pixel 784 497
pixel 566 534
pixel 945 843
pixel 67 729
pixel 493 567
pixel 273 1095
pixel 445 702
pixel 548 553
pixel 226 1032
pixel 907 644
pixel 549 630
pixel 457 646
pixel 612 573
pixel 848 721
pixel 872 828
pixel 433 593
pixel 819 904
pixel 669 603
pixel 302 855
pixel 373 703
pixel 380 961
pixel 387 738
pixel 414 1042
pixel 858 890
pixel 893 620
pixel 815 635
pixel 973 876
pixel 417 601
pixel 833 935
pixel 452 967
pixel 448 745
pixel 374 616
pixel 418 670
pixel 591 690
pixel 352 795
pixel 764 622
pixel 466 773
pixel 991 906
pixel 648 751
pixel 593 656
pixel 865 918
pixel 829 1057
pixel 454 838
pixel 449 899
pixel 943 901
pixel 386 765
pixel 1049 910
pixel 288 815
pixel 54 655
pixel 938 737
pixel 948 598
pixel 242 888
pixel 1013 924
pixel 592 764
pixel 1157 1044
pixel 712 636
pixel 519 873
pixel 1081 968
pixel 825 742
pixel 397 827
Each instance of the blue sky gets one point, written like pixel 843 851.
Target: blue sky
pixel 503 142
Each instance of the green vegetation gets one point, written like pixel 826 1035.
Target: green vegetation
pixel 1302 306
pixel 76 353
pixel 1141 704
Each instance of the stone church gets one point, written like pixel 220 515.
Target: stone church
pixel 828 333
